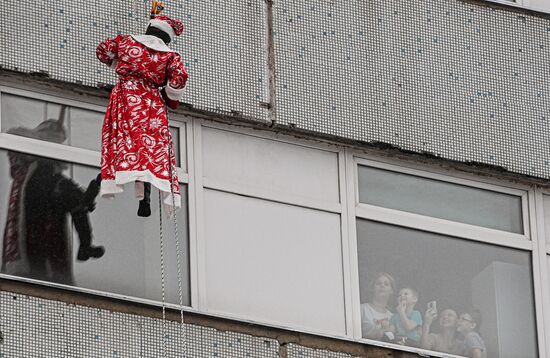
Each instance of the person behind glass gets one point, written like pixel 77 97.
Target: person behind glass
pixel 406 323
pixel 473 345
pixel 445 341
pixel 36 236
pixel 375 316
pixel 136 142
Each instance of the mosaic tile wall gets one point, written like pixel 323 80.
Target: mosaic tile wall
pixel 34 327
pixel 456 79
pixel 222 44
pixel 459 80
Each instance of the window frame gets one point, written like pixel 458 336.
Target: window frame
pixel 91 158
pixel 529 241
pixel 444 226
pixel 202 184
pixel 524 4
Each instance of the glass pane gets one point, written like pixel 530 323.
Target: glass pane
pixel 85 128
pixel 82 127
pixel 439 199
pixel 176 143
pixel 22 112
pixel 40 239
pixel 403 272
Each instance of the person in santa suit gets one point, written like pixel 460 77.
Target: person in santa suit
pixel 36 242
pixel 136 142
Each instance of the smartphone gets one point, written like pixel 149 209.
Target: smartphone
pixel 432 306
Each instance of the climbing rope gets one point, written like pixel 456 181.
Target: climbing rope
pixel 162 281
pixel 178 261
pixel 176 238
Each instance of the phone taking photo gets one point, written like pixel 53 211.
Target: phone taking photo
pixel 432 306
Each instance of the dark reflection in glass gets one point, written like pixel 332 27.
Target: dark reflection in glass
pixel 36 235
pixel 48 222
pixel 41 197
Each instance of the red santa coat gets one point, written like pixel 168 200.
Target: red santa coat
pixel 136 142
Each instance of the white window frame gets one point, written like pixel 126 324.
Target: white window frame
pixel 544 249
pixel 91 158
pixel 265 194
pixel 529 241
pixel 536 5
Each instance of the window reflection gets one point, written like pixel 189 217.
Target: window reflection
pixel 41 199
pixel 45 218
pixel 445 294
pixel 82 126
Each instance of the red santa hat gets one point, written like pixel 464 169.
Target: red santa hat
pixel 168 25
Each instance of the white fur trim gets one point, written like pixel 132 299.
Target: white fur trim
pixel 175 94
pixel 164 26
pixel 152 42
pixel 111 187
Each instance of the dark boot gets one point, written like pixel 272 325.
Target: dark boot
pixel 144 209
pixel 84 231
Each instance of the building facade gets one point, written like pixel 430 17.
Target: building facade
pixel 324 147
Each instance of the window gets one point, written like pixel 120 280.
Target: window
pixel 40 236
pixel 272 233
pixel 47 243
pixel 423 242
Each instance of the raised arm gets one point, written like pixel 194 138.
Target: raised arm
pixel 427 340
pixel 106 51
pixel 176 79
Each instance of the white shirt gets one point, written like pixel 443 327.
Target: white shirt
pixel 371 319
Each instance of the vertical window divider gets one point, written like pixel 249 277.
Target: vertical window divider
pixel 199 237
pixel 542 274
pixel 353 265
pixel 527 212
pixel 343 179
pixel 1 100
pixel 537 266
pixel 191 210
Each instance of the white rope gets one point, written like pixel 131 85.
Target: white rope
pixel 162 281
pixel 176 238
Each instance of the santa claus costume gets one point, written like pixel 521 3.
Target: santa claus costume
pixel 136 142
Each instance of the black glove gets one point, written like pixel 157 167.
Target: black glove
pixel 88 201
